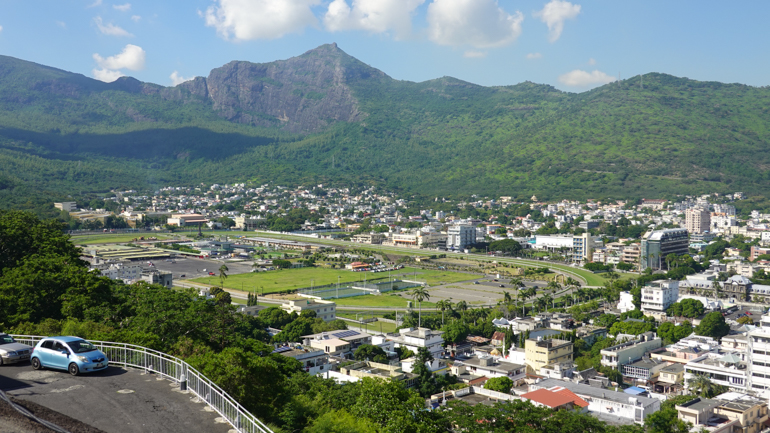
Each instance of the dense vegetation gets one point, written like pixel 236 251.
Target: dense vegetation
pixel 62 134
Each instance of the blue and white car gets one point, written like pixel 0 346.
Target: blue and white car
pixel 72 354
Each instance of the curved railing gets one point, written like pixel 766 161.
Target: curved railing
pixel 165 365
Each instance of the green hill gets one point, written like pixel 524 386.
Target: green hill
pixel 327 117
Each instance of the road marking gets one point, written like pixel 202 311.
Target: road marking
pixel 125 391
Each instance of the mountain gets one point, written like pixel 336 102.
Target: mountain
pixel 326 117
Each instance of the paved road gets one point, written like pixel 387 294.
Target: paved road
pixel 115 400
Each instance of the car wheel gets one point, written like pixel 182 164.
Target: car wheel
pixel 36 364
pixel 73 369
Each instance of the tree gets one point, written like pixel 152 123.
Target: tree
pixel 370 352
pixel 701 385
pixel 443 305
pixel 223 274
pixel 499 384
pixel 455 332
pixel 420 294
pixel 713 325
pixel 606 320
pixel 462 306
pixel 745 320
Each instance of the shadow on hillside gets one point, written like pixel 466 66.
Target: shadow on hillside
pixel 183 143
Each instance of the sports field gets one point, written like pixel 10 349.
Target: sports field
pixel 113 238
pixel 285 279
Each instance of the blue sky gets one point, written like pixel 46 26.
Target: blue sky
pixel 572 45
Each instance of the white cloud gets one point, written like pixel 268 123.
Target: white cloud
pixel 532 56
pixel 591 61
pixel 470 54
pixel 106 75
pixel 177 79
pixel 135 18
pixel 132 57
pixel 554 14
pixel 478 23
pixel 95 4
pixel 123 8
pixel 259 19
pixel 376 16
pixel 61 24
pixel 579 78
pixel 110 29
pixel 1 28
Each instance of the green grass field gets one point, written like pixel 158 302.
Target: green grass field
pixel 112 238
pixel 276 281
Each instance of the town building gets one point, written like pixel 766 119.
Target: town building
pixel 722 369
pixel 731 412
pixel 697 220
pixel 413 339
pixel 489 367
pixel 323 309
pixel 625 408
pixel 66 206
pixel 313 361
pixel 540 352
pixel 627 352
pixel 338 343
pixel 460 237
pixel 658 244
pixel 657 296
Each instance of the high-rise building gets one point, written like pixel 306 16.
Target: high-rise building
pixel 460 236
pixel 656 245
pixel 697 220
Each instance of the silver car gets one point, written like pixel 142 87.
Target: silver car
pixel 11 351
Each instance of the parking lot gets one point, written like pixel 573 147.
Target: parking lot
pixel 193 267
pixel 113 400
pixel 482 291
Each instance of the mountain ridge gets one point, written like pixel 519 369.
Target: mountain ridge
pixel 325 116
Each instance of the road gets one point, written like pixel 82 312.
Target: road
pixel 114 400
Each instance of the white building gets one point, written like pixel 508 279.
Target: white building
pixel 624 407
pixel 414 339
pixel 627 352
pixel 323 309
pixel 67 206
pixel 658 296
pixel 460 237
pixel 626 302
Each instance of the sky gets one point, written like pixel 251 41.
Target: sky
pixel 572 45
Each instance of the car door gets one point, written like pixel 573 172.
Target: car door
pixel 59 356
pixel 44 352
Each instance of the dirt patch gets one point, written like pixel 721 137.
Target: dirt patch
pixel 13 421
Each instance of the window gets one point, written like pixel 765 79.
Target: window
pixel 48 344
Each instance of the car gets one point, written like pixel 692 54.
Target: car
pixel 502 285
pixel 183 276
pixel 211 273
pixel 475 282
pixel 72 354
pixel 11 351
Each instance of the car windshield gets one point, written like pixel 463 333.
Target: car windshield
pixel 81 346
pixel 6 339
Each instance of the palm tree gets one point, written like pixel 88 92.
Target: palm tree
pixel 701 385
pixel 506 297
pixel 443 305
pixel 547 299
pixel 553 286
pixel 223 274
pixel 420 294
pixel 462 306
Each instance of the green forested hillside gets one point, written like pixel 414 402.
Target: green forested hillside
pixel 63 133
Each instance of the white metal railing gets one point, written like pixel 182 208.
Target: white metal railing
pixel 129 355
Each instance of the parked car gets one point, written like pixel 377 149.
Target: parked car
pixel 211 273
pixel 72 354
pixel 11 351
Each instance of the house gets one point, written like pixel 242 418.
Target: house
pixel 323 309
pixel 619 405
pixel 728 413
pixel 468 368
pixel 670 379
pixel 498 338
pixel 620 354
pixel 557 397
pixel 413 339
pixel 643 371
pixel 313 361
pixel 338 343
